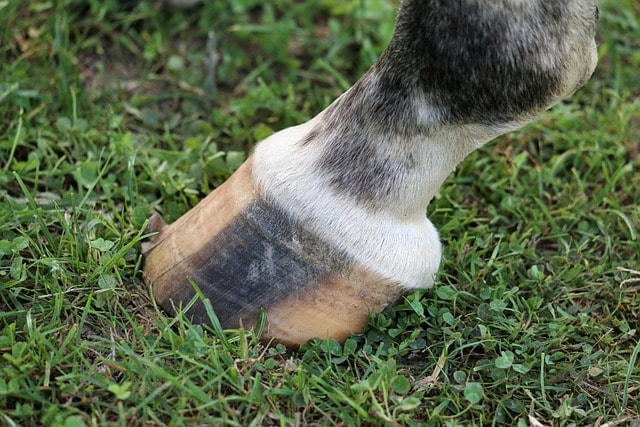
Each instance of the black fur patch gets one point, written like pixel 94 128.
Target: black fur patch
pixel 370 130
pixel 359 169
pixel 477 61
pixel 256 261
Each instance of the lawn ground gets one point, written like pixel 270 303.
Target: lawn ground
pixel 111 109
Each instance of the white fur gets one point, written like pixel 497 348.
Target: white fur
pixel 398 243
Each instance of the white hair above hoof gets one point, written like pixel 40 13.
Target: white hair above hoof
pixel 326 222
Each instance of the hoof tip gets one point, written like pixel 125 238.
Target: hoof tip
pixel 155 225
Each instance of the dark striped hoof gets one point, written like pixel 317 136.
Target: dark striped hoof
pixel 246 254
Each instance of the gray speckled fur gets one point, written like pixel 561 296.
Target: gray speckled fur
pixel 478 62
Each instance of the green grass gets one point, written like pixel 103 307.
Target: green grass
pixel 110 109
